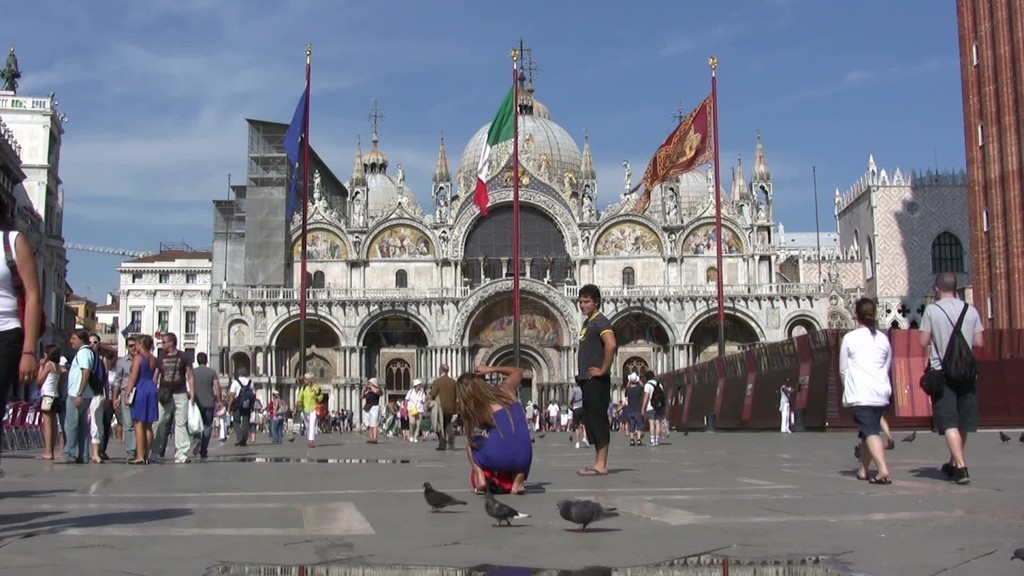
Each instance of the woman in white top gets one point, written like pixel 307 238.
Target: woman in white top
pixel 416 401
pixel 864 360
pixel 49 376
pixel 18 339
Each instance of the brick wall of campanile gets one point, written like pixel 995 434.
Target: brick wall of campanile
pixel 993 94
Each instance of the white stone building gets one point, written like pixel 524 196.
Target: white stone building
pixel 167 292
pixel 38 127
pixel 895 233
pixel 397 289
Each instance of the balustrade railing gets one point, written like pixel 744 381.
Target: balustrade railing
pixel 275 294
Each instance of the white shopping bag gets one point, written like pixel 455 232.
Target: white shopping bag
pixel 195 418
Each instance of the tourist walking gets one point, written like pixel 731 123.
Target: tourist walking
pixel 442 392
pixel 955 408
pixel 142 398
pixel 310 397
pixel 416 403
pixel 597 347
pixel 21 311
pixel 864 360
pixel 371 407
pixel 76 419
pixel 49 377
pixel 176 389
pixel 207 397
pixel 122 374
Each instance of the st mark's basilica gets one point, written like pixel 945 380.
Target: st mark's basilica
pixel 398 289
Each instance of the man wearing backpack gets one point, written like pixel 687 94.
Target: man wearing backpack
pixel 654 402
pixel 242 400
pixel 955 407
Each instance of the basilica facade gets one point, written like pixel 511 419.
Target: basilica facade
pixel 396 289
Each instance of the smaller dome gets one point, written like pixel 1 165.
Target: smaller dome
pixel 375 162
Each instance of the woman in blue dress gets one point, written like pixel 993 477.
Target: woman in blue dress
pixel 500 447
pixel 142 396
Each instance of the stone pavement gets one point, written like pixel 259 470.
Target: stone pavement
pixel 742 495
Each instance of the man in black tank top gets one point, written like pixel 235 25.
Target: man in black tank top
pixel 596 352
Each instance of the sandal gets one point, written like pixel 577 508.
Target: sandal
pixel 591 471
pixel 880 481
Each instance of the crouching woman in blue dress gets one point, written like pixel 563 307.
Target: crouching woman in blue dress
pixel 500 447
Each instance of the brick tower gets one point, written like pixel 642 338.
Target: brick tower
pixel 992 71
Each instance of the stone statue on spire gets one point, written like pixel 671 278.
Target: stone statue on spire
pixel 10 74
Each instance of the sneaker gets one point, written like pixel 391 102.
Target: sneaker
pixel 632 442
pixel 182 460
pixel 961 476
pixel 948 470
pixel 577 445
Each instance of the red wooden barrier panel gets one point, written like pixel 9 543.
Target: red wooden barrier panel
pixel 742 390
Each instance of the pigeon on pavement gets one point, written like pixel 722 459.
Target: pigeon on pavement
pixel 1018 554
pixel 583 512
pixel 911 437
pixel 501 512
pixel 1022 437
pixel 438 500
pixel 1003 437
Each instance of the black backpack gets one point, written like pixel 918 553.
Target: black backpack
pixel 246 399
pixel 658 397
pixel 97 374
pixel 958 365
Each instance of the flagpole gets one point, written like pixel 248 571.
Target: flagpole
pixel 516 335
pixel 713 62
pixel 817 227
pixel 305 216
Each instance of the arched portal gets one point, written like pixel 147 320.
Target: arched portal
pixel 634 365
pixel 704 338
pixel 240 360
pixel 799 326
pixel 390 337
pixel 637 327
pixel 322 342
pixel 532 363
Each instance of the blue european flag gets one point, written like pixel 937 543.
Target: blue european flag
pixel 292 145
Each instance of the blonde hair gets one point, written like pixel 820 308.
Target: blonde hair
pixel 146 341
pixel 475 398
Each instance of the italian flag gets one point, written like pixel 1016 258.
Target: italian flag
pixel 502 129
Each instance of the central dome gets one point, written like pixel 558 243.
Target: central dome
pixel 541 142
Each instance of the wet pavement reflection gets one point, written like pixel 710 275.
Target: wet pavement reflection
pixel 703 565
pixel 301 460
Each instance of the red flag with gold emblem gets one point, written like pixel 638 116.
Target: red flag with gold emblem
pixel 690 144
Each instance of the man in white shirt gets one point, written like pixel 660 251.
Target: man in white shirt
pixel 76 421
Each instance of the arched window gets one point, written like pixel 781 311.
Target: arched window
pixel 711 275
pixel 397 375
pixel 318 279
pixel 628 276
pixel 401 279
pixel 947 253
pixel 309 280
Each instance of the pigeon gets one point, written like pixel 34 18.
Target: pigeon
pixel 292 439
pixel 1003 438
pixel 438 500
pixel 583 512
pixel 1018 554
pixel 1022 437
pixel 911 437
pixel 686 433
pixel 542 434
pixel 856 451
pixel 501 512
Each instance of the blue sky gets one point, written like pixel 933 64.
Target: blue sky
pixel 157 92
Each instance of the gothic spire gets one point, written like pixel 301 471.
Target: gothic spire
pixel 441 173
pixel 587 171
pixel 739 181
pixel 358 171
pixel 761 172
